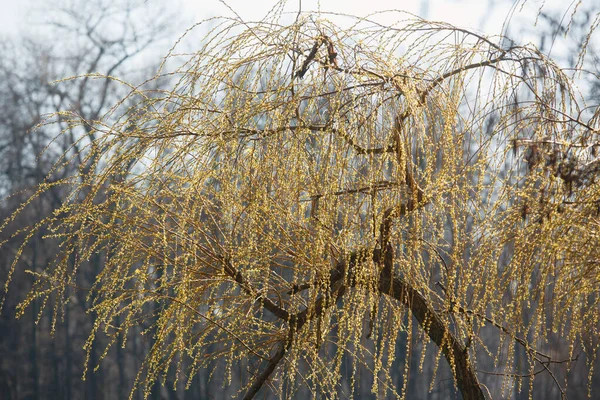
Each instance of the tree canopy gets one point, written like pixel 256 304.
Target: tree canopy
pixel 309 190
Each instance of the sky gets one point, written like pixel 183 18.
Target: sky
pixel 462 12
pixel 483 15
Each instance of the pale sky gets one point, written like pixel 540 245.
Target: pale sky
pixel 462 12
pixel 483 15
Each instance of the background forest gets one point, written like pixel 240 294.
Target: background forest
pixel 41 359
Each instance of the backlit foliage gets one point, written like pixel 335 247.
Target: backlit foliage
pixel 305 189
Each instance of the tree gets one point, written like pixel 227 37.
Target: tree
pixel 307 193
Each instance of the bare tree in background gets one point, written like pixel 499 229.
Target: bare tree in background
pixel 89 39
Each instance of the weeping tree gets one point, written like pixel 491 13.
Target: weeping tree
pixel 308 192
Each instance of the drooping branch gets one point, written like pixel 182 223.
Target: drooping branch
pixel 267 303
pixel 454 351
pixel 261 378
pixel 297 321
pixel 439 332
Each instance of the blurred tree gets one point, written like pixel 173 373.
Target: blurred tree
pixel 95 37
pixel 307 196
